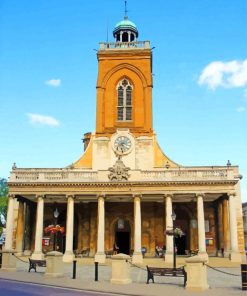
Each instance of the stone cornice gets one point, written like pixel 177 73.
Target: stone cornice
pixel 121 184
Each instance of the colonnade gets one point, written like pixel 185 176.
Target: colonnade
pixel 137 255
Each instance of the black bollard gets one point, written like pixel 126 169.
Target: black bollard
pixel 244 276
pixel 96 271
pixel 74 269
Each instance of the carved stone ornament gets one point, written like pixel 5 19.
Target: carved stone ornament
pixel 119 172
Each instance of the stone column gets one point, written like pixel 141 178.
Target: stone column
pixel 220 229
pixel 69 254
pixel 235 255
pixel 169 226
pixel 201 227
pixel 20 228
pixel 37 254
pixel 27 231
pixel 137 255
pixel 226 232
pixel 100 255
pixel 10 223
pixel 129 38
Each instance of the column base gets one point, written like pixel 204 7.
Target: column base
pixel 226 254
pixel 100 257
pixel 8 261
pixel 169 257
pixel 38 256
pixel 19 253
pixel 203 255
pixel 219 253
pixel 68 257
pixel 137 257
pixel 235 257
pixel 27 253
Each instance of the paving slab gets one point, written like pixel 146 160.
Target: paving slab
pixel 221 283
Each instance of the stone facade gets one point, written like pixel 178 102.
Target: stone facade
pixel 124 189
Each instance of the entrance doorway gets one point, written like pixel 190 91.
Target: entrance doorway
pixel 122 236
pixel 181 244
pixel 123 242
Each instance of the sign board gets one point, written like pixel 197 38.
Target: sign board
pixel 45 241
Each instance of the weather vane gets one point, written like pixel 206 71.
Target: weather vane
pixel 125 10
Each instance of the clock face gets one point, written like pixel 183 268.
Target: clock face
pixel 122 144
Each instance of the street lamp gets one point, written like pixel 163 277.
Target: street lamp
pixel 174 245
pixel 55 214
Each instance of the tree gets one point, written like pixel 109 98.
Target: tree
pixel 3 201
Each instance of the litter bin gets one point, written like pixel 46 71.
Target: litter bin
pixel 244 276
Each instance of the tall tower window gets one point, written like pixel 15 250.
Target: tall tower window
pixel 124 107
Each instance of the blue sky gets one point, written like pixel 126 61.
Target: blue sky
pixel 49 69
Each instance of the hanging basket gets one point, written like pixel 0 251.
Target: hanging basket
pixel 54 229
pixel 177 232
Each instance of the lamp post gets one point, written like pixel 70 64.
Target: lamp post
pixel 56 214
pixel 174 245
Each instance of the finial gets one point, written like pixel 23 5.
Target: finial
pixel 125 10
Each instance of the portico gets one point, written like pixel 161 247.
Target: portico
pixel 148 208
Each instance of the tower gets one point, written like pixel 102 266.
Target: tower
pixel 124 85
pixel 124 126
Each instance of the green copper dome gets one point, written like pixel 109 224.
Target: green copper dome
pixel 124 25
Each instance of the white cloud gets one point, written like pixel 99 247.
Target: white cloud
pixel 53 82
pixel 42 119
pixel 225 74
pixel 241 109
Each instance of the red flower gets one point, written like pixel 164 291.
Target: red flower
pixel 54 229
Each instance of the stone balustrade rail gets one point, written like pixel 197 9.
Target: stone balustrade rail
pixel 124 45
pixel 78 175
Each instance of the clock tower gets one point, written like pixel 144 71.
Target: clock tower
pixel 124 126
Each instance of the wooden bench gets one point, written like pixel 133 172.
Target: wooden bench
pixel 83 253
pixel 177 272
pixel 33 263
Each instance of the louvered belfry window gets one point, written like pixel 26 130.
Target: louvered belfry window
pixel 124 107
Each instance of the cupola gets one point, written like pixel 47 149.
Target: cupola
pixel 125 31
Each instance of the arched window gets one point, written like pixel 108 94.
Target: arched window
pixel 124 107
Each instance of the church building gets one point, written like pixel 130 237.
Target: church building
pixel 124 190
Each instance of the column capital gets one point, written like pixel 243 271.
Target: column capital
pixel 101 196
pixel 11 195
pixel 70 196
pixel 231 193
pixel 170 194
pixel 38 196
pixel 200 194
pixel 137 196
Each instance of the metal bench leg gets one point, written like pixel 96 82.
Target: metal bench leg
pixel 150 277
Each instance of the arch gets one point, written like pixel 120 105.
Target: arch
pixel 125 37
pixel 113 230
pixel 120 67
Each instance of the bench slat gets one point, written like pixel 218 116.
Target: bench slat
pixel 158 271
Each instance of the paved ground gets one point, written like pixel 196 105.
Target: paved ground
pixel 220 284
pixel 10 288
